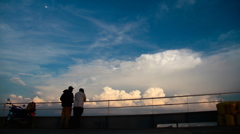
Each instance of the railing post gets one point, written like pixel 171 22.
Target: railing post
pixel 153 122
pixel 108 107
pixel 3 111
pixel 188 113
pixel 187 105
pixel 220 95
pixel 152 107
pixel 108 115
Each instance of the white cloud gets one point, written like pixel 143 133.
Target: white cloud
pixel 164 62
pixel 154 92
pixel 17 99
pixel 37 99
pixel 17 80
pixel 111 94
pixel 13 95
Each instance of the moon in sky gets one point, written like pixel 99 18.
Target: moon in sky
pixel 46 6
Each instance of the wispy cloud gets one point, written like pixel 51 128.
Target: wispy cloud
pixel 232 35
pixel 110 34
pixel 36 36
pixel 118 34
pixel 165 8
pixel 18 81
pixel 162 10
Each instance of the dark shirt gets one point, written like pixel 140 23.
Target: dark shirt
pixel 67 98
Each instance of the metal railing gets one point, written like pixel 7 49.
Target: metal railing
pixel 143 103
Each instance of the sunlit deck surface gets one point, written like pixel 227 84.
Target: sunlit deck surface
pixel 191 130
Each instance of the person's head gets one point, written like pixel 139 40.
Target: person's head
pixel 70 88
pixel 81 90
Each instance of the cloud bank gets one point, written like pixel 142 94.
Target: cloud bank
pixel 173 71
pixel 167 73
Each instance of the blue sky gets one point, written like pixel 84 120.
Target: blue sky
pixel 118 49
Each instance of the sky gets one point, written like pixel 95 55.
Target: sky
pixel 118 49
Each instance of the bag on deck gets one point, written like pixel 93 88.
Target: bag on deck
pixel 31 107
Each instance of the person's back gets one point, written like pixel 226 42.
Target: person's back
pixel 67 100
pixel 80 98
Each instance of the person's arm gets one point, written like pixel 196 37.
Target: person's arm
pixel 72 98
pixel 84 98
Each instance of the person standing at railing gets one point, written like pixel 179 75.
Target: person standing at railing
pixel 67 100
pixel 80 98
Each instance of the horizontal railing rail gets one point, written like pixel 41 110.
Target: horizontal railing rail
pixel 108 105
pixel 194 95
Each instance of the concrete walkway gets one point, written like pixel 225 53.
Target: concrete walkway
pixel 198 130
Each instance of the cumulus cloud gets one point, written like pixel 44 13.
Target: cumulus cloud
pixel 111 94
pixel 37 99
pixel 151 93
pixel 17 80
pixel 154 92
pixel 18 98
pixel 158 104
pixel 164 62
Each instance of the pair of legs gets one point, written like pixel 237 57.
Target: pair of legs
pixel 66 115
pixel 77 113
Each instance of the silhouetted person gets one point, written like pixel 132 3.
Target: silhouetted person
pixel 67 100
pixel 80 98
